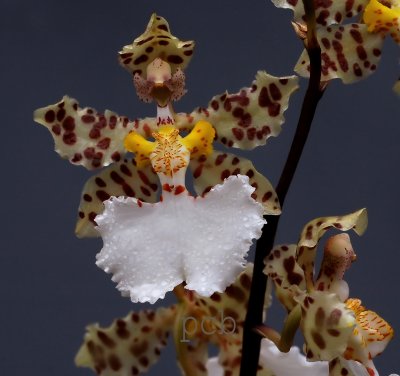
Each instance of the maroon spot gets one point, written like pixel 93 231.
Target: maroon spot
pixel 235 161
pixel 113 122
pixel 238 133
pixel 141 59
pixel 149 49
pixel 326 43
pixel 88 119
pixel 50 116
pixel 104 143
pixel 275 92
pixel 225 174
pixel 197 171
pixel 323 15
pixel 69 138
pixel 116 178
pixel 145 40
pixel 357 70
pixel 338 35
pixel 94 133
pixel 215 105
pixel 126 54
pixel 87 197
pixel 263 99
pixel 220 159
pixel 319 340
pixel 338 17
pixel 362 54
pixel 163 43
pixel 102 195
pixel 145 191
pixel 92 216
pixel 188 52
pixel 175 59
pixel 251 133
pixel 56 129
pixel 105 339
pixel 179 189
pixel 114 362
pixel 274 109
pixel 81 215
pixel 267 196
pixel 127 61
pixel 69 123
pixel 116 156
pixel 77 157
pixel 250 173
pixel 144 178
pixel 163 27
pixel 100 182
pixel 128 190
pixel 356 35
pixel 60 114
pixel 125 170
pixel 376 52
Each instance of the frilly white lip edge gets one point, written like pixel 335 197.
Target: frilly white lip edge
pixel 220 214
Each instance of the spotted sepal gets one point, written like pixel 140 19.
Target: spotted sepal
pixel 130 346
pixel 248 118
pixel 315 229
pixel 370 336
pixel 326 12
pixel 348 52
pixel 156 42
pixel 227 312
pixel 327 325
pixel 83 135
pixel 120 179
pixel 281 266
pixel 214 169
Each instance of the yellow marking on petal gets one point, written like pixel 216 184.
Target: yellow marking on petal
pixel 199 140
pixel 142 148
pixel 380 18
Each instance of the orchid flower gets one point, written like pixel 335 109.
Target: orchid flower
pixel 207 232
pixel 131 345
pixel 157 60
pixel 349 51
pixel 335 328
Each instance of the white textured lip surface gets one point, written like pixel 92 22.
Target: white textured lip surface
pixel 151 248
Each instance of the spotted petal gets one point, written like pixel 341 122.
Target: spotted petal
pixel 204 235
pixel 316 228
pixel 130 346
pixel 327 325
pixel 248 118
pixel 288 277
pixel 120 179
pixel 83 135
pixel 326 12
pixel 348 52
pixel 212 170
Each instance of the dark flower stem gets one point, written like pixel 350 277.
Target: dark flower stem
pixel 251 339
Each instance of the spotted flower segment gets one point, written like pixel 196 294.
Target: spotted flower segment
pixel 349 51
pixel 335 328
pixel 131 345
pixel 156 61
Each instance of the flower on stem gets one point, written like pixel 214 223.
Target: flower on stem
pixel 335 328
pixel 131 345
pixel 349 51
pixel 156 61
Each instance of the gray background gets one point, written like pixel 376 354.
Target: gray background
pixel 50 286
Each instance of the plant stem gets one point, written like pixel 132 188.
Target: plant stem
pixel 254 318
